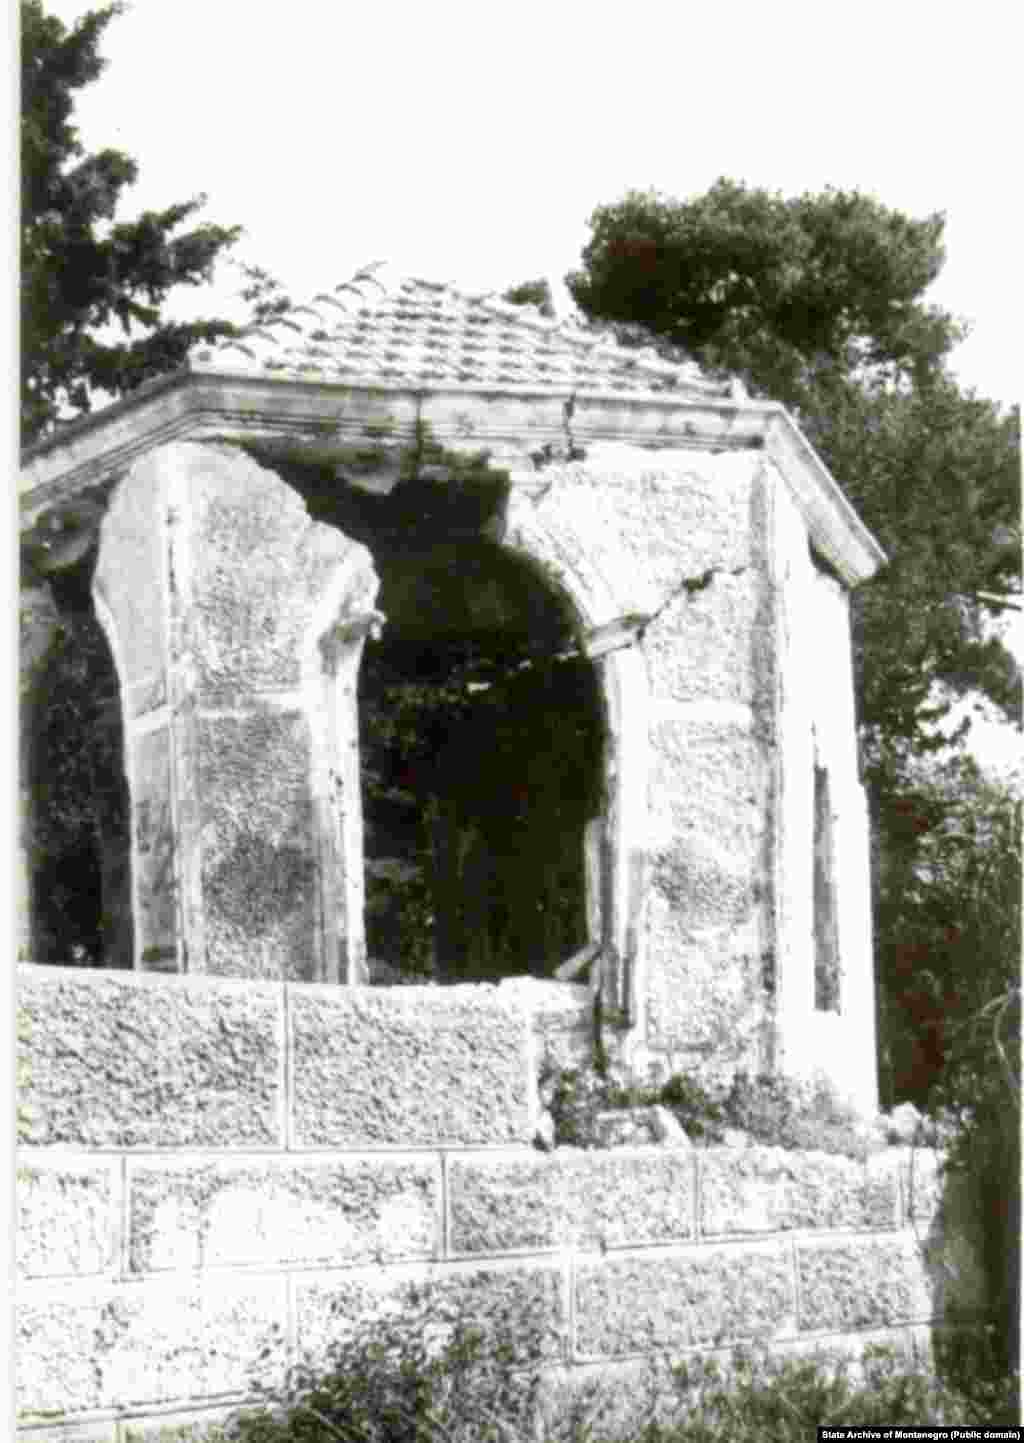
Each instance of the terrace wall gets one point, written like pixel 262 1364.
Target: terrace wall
pixel 213 1172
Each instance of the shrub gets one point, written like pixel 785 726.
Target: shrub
pixel 415 1382
pixel 760 1399
pixel 776 1111
pixel 382 1389
pixel 782 1112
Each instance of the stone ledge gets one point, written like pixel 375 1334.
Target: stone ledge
pixel 202 1425
pixel 205 1427
pixel 99 1431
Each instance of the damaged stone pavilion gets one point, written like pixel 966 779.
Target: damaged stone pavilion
pixel 453 644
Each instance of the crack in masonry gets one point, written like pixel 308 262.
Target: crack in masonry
pixel 573 452
pixel 692 585
pixel 548 454
pixel 626 630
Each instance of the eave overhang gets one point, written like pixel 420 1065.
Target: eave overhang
pixel 204 402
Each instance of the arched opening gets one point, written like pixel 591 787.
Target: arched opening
pixel 482 769
pixel 502 765
pixel 79 834
pixel 482 727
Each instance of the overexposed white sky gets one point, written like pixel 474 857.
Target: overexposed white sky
pixel 470 142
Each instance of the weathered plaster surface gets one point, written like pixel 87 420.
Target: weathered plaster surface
pixel 68 1215
pixel 260 864
pixel 650 521
pixel 121 1345
pixel 261 566
pixel 197 1212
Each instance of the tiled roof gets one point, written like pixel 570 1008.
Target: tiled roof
pixel 421 333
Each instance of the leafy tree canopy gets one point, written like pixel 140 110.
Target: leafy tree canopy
pixel 778 291
pixel 81 269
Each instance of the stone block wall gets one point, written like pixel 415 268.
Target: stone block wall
pixel 215 1173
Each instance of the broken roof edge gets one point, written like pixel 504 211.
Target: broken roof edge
pixel 833 524
pixel 198 404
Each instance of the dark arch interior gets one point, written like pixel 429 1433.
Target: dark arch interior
pixel 481 745
pixel 481 741
pixel 80 831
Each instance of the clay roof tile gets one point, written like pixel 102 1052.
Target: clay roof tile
pixel 400 328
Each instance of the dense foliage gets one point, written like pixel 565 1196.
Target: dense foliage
pixel 83 270
pixel 781 292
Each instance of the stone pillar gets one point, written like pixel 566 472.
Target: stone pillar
pixel 236 624
pixel 816 728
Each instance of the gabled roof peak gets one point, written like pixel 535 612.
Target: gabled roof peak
pixel 379 327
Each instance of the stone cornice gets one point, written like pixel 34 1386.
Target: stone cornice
pixel 200 404
pixel 832 523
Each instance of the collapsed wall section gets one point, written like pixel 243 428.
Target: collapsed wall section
pixel 277 1162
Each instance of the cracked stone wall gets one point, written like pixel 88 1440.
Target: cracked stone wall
pixel 277 1161
pixel 685 540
